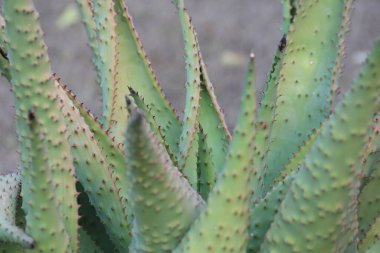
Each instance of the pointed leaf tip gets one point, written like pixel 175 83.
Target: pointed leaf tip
pixel 137 119
pixel 157 184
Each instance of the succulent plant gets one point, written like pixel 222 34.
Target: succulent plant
pixel 298 174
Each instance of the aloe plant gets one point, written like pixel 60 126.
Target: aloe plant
pixel 298 174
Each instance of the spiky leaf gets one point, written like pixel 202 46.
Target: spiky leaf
pixel 9 192
pixel 371 237
pixel 44 222
pixel 222 226
pixel 95 175
pixel 264 211
pixel 187 150
pixel 304 84
pixel 212 121
pixel 91 225
pixel 164 204
pixel 111 151
pixel 34 90
pixel 206 167
pixel 86 244
pixel 369 201
pixel 325 191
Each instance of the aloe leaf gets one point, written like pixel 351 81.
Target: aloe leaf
pixel 189 167
pixel 211 117
pixel 371 155
pixel 163 202
pixel 100 20
pixel 222 225
pixel 206 167
pixel 371 237
pixel 9 191
pixel 141 78
pixel 265 115
pixel 133 69
pixel 117 118
pixel 95 175
pixel 266 110
pixel 369 203
pixel 3 37
pixel 86 11
pixel 367 208
pixel 114 156
pixel 147 110
pixel 11 248
pixel 187 150
pixel 154 126
pixel 336 73
pixel 304 85
pixel 107 54
pixel 4 67
pixel 44 222
pixel 264 211
pixel 212 121
pixel 298 158
pixel 91 225
pixel 4 64
pixel 289 10
pixel 375 247
pixel 86 244
pixel 322 199
pixel 34 90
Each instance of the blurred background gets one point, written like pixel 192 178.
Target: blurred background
pixel 228 31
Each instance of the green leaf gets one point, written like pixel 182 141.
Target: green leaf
pixel 111 151
pixel 94 173
pixel 154 126
pixel 289 10
pixel 222 225
pixel 206 167
pixel 86 12
pixel 140 77
pixel 336 73
pixel 304 85
pixel 87 244
pixel 164 204
pixel 371 237
pixel 44 222
pixel 212 121
pixel 131 68
pixel 263 212
pixel 91 225
pixel 299 157
pixel 369 202
pixel 322 199
pixel 187 150
pixel 9 192
pixel 108 59
pixel 4 64
pixel 34 90
pixel 265 116
pixel 10 248
pixel 375 247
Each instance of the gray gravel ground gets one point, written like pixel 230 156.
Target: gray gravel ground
pixel 228 31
